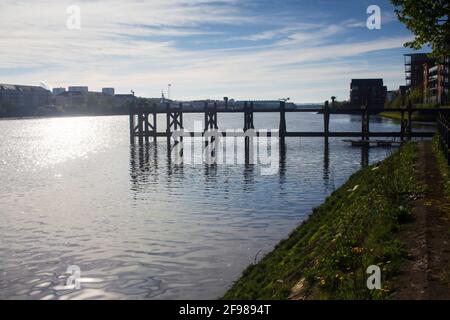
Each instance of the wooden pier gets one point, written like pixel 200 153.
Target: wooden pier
pixel 143 120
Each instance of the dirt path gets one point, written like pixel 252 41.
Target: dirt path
pixel 426 274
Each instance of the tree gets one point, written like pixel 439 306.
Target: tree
pixel 415 95
pixel 428 20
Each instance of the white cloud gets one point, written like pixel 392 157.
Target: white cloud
pixel 120 44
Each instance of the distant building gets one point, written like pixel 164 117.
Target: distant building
pixel 108 91
pixel 368 91
pixel 82 89
pixel 429 76
pixel 26 99
pixel 436 82
pixel 415 64
pixel 57 91
pixel 70 99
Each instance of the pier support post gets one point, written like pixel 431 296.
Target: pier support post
pixel 248 116
pixel 133 112
pixel 248 125
pixel 211 117
pixel 131 125
pixel 155 127
pixel 146 127
pixel 282 128
pixel 210 125
pixel 141 120
pixel 149 119
pixel 174 120
pixel 326 120
pixel 365 123
pixel 168 126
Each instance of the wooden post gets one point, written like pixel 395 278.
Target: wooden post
pixel 363 123
pixel 215 116
pixel 155 127
pixel 180 119
pixel 326 119
pixel 206 117
pixel 211 116
pixel 140 125
pixel 168 127
pixel 245 116
pixel 367 123
pixel 132 110
pixel 248 125
pixel 146 127
pixel 282 128
pixel 131 126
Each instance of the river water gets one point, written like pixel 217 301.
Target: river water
pixel 139 225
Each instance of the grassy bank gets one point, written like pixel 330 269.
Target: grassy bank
pixel 414 117
pixel 443 167
pixel 327 256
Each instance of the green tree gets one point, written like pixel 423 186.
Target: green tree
pixel 415 95
pixel 428 21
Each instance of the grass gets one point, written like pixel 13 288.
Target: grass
pixel 443 166
pixel 414 117
pixel 327 256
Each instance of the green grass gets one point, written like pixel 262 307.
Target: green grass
pixel 443 166
pixel 414 117
pixel 354 228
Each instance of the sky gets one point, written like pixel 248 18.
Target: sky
pixel 307 50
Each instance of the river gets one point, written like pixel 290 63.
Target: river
pixel 139 226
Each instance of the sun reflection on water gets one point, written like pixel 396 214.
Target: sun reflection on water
pixel 54 141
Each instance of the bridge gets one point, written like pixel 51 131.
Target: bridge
pixel 143 119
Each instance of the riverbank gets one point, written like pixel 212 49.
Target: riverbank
pixel 361 224
pixel 415 117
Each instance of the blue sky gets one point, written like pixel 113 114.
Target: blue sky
pixel 306 50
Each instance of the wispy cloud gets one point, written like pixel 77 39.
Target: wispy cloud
pixel 205 48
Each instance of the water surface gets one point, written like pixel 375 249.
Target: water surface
pixel 138 225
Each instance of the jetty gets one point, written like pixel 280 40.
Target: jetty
pixel 144 126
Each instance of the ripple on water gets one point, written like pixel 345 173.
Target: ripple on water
pixel 138 225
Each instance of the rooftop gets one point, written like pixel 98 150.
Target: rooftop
pixel 22 88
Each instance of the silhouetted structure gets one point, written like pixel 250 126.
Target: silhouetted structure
pixel 143 120
pixel 415 64
pixel 368 92
pixel 24 99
